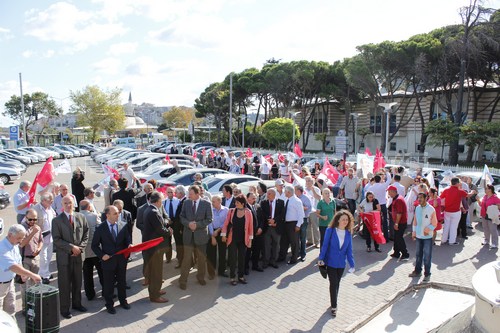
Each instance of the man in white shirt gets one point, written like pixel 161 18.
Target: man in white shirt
pixel 314 194
pixel 45 214
pixel 89 194
pixel 284 171
pixel 21 200
pixel 379 190
pixel 57 204
pixel 170 203
pixel 129 174
pixel 294 217
pixel 280 193
pixel 399 186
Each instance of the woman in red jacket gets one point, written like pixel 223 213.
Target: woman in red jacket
pixel 237 232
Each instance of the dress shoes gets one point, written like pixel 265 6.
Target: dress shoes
pixel 211 276
pixel 183 286
pixel 146 282
pixel 67 315
pixel 258 269
pixel 45 281
pixel 202 282
pixel 223 274
pixel 80 308
pixel 125 305
pixel 247 271
pixel 90 297
pixel 111 309
pixel 127 286
pixel 292 262
pixel 280 260
pixel 159 300
pixel 162 292
pixel 177 266
pixel 273 265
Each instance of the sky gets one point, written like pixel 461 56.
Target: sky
pixel 166 52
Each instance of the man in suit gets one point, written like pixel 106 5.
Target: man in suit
pixel 109 191
pixel 125 217
pixel 227 197
pixel 251 199
pixel 45 214
pixel 110 237
pixel 70 232
pixel 273 215
pixel 176 225
pixel 127 195
pixel 141 200
pixel 195 216
pixel 170 205
pixel 91 260
pixel 140 225
pixel 155 226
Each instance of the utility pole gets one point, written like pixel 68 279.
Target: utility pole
pixel 22 111
pixel 231 110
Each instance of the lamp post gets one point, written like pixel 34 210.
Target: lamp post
pixel 355 117
pixel 243 119
pixel 387 110
pixel 293 114
pixel 62 113
pixel 415 133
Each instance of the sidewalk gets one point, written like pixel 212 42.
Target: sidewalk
pixel 287 299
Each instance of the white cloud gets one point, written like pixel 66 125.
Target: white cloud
pixel 107 66
pixel 122 48
pixel 27 54
pixel 65 23
pixel 5 34
pixel 38 54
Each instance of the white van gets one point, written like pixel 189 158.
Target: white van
pixel 126 142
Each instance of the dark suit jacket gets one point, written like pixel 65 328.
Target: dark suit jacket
pixel 127 218
pixel 176 222
pixel 232 205
pixel 127 196
pixel 103 243
pixel 65 236
pixel 154 226
pixel 279 215
pixel 202 217
pixel 140 218
pixel 253 209
pixel 139 201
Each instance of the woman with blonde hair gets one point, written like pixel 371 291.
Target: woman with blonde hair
pixel 335 251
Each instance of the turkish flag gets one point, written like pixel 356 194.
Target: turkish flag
pixel 368 152
pixel 379 161
pixel 109 171
pixel 140 247
pixel 167 158
pixel 195 154
pixel 249 152
pixel 212 154
pixel 372 221
pixel 281 158
pixel 297 150
pixel 203 152
pixel 329 171
pixel 32 191
pixel 46 175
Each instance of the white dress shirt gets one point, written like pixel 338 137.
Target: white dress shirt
pixel 294 210
pixel 166 205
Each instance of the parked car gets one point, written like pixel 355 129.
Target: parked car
pixel 37 150
pixel 7 174
pixel 216 182
pixel 24 159
pixel 160 172
pixel 41 157
pixel 477 179
pixel 186 177
pixel 4 200
pixel 62 153
pixel 33 158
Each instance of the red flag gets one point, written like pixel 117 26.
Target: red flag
pixel 109 171
pixel 167 158
pixel 249 152
pixel 281 158
pixel 372 222
pixel 32 191
pixel 203 152
pixel 46 175
pixel 368 152
pixel 379 161
pixel 195 154
pixel 212 154
pixel 140 247
pixel 330 172
pixel 297 150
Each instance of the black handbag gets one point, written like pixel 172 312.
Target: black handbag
pixel 322 270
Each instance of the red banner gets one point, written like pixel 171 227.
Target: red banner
pixel 373 222
pixel 297 150
pixel 140 247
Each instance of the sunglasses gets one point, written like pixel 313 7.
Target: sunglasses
pixel 32 220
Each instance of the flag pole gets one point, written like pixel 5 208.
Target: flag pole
pixel 22 110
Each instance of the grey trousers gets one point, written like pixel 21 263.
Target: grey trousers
pixel 271 246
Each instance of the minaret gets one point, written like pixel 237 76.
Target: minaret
pixel 129 109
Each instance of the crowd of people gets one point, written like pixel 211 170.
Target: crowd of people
pixel 230 234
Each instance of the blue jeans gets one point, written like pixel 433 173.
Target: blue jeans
pixel 303 238
pixel 424 252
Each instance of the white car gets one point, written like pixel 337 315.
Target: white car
pixel 158 172
pixel 215 183
pixel 476 177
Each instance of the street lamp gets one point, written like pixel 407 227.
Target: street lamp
pixel 387 110
pixel 293 114
pixel 355 117
pixel 243 119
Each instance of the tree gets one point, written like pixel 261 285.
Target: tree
pixel 179 116
pixel 363 132
pixel 441 132
pixel 36 105
pixel 278 131
pixel 100 110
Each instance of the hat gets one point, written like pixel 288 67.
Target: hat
pixel 279 182
pixel 392 188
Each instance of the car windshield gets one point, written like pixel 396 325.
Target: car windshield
pixel 153 168
pixel 210 182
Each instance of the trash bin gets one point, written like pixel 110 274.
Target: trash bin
pixel 42 308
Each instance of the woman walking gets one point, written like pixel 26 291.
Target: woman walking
pixel 370 204
pixel 489 228
pixel 336 249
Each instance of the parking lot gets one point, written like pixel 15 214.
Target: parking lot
pixel 287 299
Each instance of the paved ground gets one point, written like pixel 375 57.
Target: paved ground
pixel 287 299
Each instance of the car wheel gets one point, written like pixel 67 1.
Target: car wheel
pixel 4 178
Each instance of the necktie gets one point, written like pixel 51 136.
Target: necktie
pixel 114 231
pixel 271 209
pixel 171 209
pixel 286 205
pixel 194 207
pixel 71 220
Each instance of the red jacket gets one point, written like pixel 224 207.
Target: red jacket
pixel 248 227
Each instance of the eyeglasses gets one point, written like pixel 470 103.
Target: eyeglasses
pixel 32 220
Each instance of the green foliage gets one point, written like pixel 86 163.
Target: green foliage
pixel 278 131
pixel 441 131
pixel 36 105
pixel 100 110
